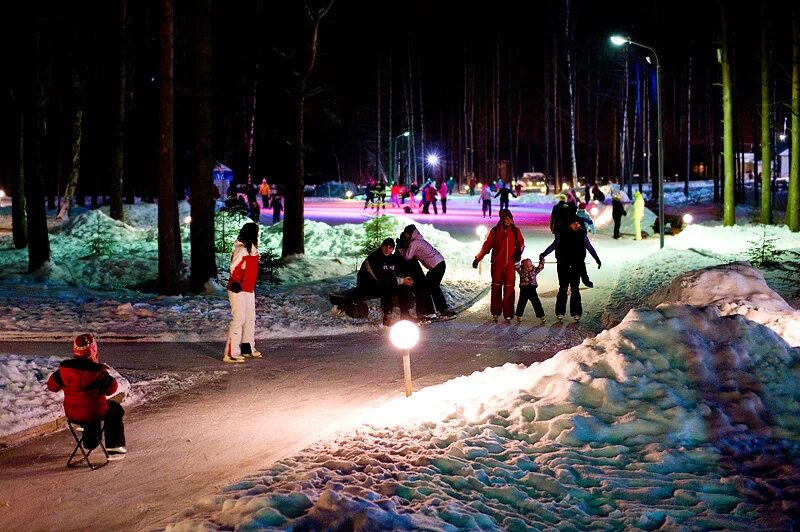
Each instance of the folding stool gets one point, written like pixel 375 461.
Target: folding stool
pixel 75 427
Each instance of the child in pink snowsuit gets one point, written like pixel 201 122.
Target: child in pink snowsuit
pixel 527 288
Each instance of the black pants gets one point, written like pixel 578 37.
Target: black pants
pixel 616 227
pixel 569 277
pixel 487 207
pixel 114 428
pixel 444 206
pixel 386 293
pixel 433 280
pixel 503 203
pixel 528 293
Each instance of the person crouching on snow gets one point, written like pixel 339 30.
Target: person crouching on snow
pixel 241 294
pixel 86 384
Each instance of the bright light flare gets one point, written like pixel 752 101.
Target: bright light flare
pixel 404 334
pixel 433 159
pixel 594 212
pixel 481 231
pixel 348 194
pixel 687 218
pixel 618 40
pixel 2 193
pixel 187 220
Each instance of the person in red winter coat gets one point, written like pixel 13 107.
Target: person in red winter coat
pixel 506 244
pixel 242 297
pixel 86 384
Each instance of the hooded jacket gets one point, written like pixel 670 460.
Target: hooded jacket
pixel 86 384
pixel 419 248
pixel 505 243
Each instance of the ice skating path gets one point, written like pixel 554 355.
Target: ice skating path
pixel 186 446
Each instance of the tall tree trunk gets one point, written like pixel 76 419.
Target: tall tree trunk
pixel 293 222
pixel 728 212
pixel 623 141
pixel 571 96
pixel 118 155
pixel 378 151
pixel 203 263
pixel 548 112
pixel 556 121
pixel 19 224
pixel 688 130
pixel 793 198
pixel 38 238
pixel 168 244
pixel 77 135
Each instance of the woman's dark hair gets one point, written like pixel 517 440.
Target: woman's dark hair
pixel 248 235
pixel 409 229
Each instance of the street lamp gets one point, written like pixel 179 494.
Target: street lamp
pixel 394 147
pixel 617 40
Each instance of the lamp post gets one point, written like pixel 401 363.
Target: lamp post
pixel 394 148
pixel 619 41
pixel 405 335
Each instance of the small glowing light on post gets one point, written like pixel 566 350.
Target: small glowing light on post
pixel 348 194
pixel 187 220
pixel 687 218
pixel 595 211
pixel 481 231
pixel 405 335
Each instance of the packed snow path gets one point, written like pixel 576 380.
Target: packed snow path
pixel 188 446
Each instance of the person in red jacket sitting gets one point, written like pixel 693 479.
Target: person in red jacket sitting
pixel 86 384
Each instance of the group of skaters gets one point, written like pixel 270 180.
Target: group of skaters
pixel 431 193
pixel 506 244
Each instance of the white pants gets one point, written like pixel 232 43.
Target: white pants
pixel 243 322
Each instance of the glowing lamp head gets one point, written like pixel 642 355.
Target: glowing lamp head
pixel 433 159
pixel 618 40
pixel 595 211
pixel 404 334
pixel 348 194
pixel 481 231
pixel 687 218
pixel 187 220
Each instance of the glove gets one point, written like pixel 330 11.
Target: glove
pixel 598 264
pixel 517 256
pixel 475 263
pixel 235 287
pixel 541 257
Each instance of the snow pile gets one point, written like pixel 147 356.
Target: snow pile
pixel 733 241
pixel 25 401
pixel 650 424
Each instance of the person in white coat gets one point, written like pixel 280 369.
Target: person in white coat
pixel 242 297
pixel 638 214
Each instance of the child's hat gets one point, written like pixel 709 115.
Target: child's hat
pixel 84 346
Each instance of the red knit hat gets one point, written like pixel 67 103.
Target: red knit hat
pixel 84 346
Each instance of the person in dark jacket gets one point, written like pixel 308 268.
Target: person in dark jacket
pixel 86 384
pixel 558 213
pixel 617 212
pixel 503 192
pixel 570 246
pixel 506 244
pixel 380 276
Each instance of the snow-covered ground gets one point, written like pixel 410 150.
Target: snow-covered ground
pixel 658 421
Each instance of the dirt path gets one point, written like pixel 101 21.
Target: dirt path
pixel 188 446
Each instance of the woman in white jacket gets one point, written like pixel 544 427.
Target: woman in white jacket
pixel 416 247
pixel 241 294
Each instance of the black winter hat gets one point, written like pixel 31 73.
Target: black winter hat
pixel 388 242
